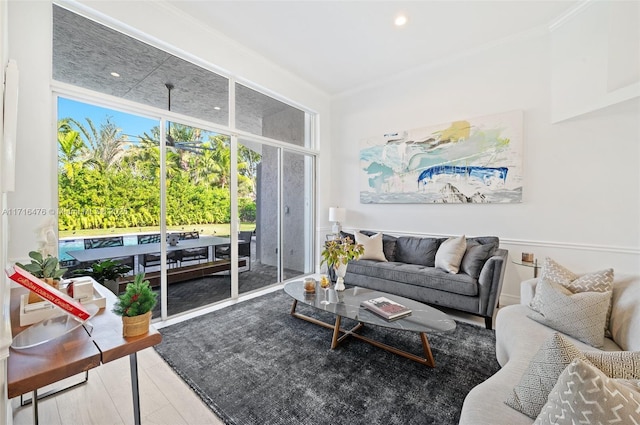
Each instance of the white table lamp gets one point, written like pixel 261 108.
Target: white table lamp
pixel 336 215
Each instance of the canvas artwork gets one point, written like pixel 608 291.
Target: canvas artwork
pixel 477 160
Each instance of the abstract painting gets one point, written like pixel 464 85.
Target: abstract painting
pixel 476 160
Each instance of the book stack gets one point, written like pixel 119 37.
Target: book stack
pixel 386 308
pixel 47 292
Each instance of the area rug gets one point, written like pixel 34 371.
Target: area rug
pixel 253 363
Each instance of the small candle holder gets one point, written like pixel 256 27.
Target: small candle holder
pixel 527 257
pixel 310 285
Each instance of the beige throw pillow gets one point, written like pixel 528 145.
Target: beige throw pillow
pixel 372 246
pixel 450 253
pixel 585 395
pixel 555 354
pixel 599 281
pixel 581 315
pixel 537 381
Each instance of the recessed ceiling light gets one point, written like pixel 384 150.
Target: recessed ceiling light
pixel 400 20
pixel 217 108
pixel 115 74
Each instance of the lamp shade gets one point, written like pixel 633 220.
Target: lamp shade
pixel 337 214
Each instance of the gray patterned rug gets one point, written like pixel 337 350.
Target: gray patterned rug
pixel 253 363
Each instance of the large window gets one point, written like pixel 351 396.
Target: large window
pixel 156 169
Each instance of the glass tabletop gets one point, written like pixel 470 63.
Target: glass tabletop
pixel 346 303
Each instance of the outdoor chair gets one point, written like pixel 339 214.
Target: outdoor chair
pixel 189 235
pixel 244 248
pixel 193 254
pixel 104 242
pixel 154 259
pixel 109 242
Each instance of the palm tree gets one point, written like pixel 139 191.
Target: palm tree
pixel 70 148
pixel 106 145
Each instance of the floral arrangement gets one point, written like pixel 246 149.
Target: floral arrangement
pixel 138 298
pixel 341 250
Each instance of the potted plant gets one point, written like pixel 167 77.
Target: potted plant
pixel 135 305
pixel 106 273
pixel 337 253
pixel 47 269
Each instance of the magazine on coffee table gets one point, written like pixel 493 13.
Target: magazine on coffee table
pixel 386 308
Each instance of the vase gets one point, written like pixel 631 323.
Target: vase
pixel 136 325
pixel 341 271
pixel 35 298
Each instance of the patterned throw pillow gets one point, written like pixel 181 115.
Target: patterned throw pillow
pixel 600 281
pixel 372 246
pixel 581 315
pixel 449 255
pixel 616 364
pixel 585 395
pixel 531 393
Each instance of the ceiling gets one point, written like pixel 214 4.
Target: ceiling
pixel 340 45
pixel 86 52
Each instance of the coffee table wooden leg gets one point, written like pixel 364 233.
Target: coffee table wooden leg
pixel 427 350
pixel 336 332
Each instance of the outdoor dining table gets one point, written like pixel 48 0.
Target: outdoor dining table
pixel 96 254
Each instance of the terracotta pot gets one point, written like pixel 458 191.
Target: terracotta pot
pixel 136 325
pixel 35 298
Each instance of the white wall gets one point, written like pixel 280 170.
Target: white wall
pixel 30 44
pixel 582 182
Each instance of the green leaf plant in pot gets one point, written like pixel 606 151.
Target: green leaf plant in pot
pixel 47 269
pixel 106 273
pixel 337 253
pixel 135 305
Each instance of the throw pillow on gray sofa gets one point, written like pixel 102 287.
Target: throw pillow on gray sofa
pixel 388 243
pixel 476 255
pixel 414 250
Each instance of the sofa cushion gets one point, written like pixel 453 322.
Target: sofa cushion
pixel 413 274
pixel 476 255
pixel 388 243
pixel 580 315
pixel 450 253
pixel 530 394
pixel 583 394
pixel 599 281
pixel 413 250
pixel 372 246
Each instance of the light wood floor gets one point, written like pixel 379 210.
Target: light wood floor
pixel 106 399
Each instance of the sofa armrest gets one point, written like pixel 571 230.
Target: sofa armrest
pixel 490 282
pixel 527 290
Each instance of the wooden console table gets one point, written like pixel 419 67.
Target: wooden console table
pixel 73 353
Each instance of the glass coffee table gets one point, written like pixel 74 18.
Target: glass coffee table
pixel 346 303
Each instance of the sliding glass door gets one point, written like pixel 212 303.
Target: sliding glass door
pixel 198 194
pixel 211 180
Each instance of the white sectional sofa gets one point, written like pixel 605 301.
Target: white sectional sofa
pixel 518 339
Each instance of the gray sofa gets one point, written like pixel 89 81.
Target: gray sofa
pixel 519 338
pixel 410 272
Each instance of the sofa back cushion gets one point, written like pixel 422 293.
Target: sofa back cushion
pixel 414 250
pixel 625 313
pixel 479 250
